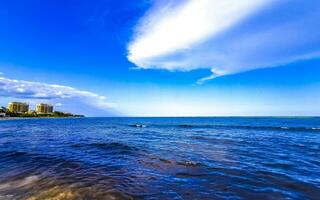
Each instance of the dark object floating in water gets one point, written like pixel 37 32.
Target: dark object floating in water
pixel 138 125
pixel 185 126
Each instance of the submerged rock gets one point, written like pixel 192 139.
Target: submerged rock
pixel 59 193
pixel 117 195
pixel 55 193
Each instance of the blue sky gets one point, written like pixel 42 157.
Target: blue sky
pixel 162 58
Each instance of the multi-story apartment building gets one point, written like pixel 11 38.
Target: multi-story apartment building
pixel 18 107
pixel 44 108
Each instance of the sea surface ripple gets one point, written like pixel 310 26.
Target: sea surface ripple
pixel 160 158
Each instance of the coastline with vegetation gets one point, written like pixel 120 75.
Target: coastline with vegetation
pixel 8 113
pixel 55 114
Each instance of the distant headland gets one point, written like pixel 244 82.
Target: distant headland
pixel 21 110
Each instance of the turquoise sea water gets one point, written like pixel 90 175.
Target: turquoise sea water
pixel 160 158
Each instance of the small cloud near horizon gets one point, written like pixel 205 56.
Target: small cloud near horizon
pixel 51 93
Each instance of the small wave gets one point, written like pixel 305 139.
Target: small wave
pixel 280 128
pixel 187 175
pixel 185 126
pixel 196 126
pixel 208 126
pixel 138 125
pixel 35 160
pixel 165 160
pixel 186 163
pixel 8 154
pixel 214 140
pixel 165 163
pixel 284 127
pixel 189 163
pixel 114 147
pixel 197 137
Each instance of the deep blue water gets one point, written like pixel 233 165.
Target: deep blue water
pixel 160 158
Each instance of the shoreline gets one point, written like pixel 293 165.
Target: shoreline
pixel 17 118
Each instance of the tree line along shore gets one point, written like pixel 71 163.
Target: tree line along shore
pixel 7 113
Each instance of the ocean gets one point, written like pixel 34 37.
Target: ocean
pixel 160 158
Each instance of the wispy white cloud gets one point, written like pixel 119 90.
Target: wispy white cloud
pixel 227 36
pixel 50 92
